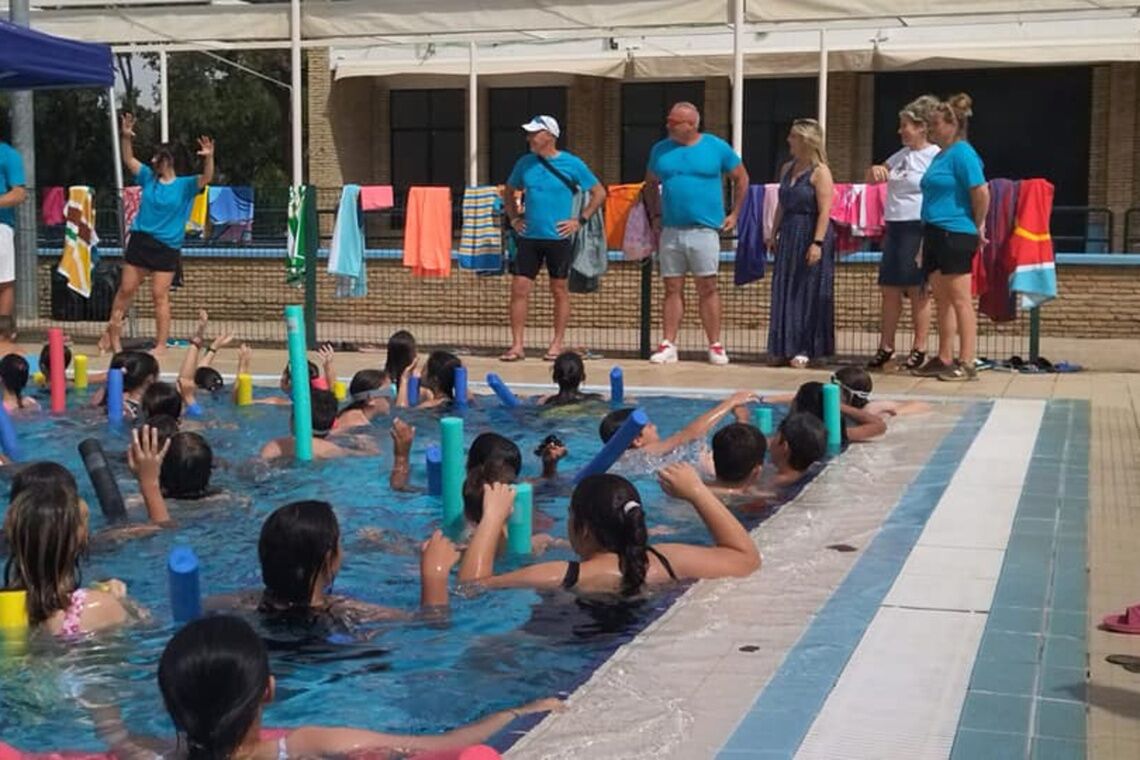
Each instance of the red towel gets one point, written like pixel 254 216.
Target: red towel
pixel 52 209
pixel 376 197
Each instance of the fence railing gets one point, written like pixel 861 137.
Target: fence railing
pixel 242 284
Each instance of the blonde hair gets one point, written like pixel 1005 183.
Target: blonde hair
pixel 812 133
pixel 958 109
pixel 919 110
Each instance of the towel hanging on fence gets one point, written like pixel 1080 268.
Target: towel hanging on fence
pixel 992 266
pixel 231 214
pixel 79 240
pixel 481 239
pixel 301 241
pixel 376 197
pixel 639 241
pixel 427 232
pixel 750 250
pixel 620 201
pixel 55 198
pixel 1034 272
pixel 132 197
pixel 771 203
pixel 198 211
pixel 346 253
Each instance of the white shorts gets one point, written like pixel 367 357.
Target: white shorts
pixel 685 250
pixel 7 254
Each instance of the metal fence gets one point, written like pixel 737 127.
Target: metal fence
pixel 242 284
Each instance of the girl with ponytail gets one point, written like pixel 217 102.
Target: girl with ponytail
pixel 608 531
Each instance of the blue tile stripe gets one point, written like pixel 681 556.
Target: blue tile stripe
pixel 1027 692
pixel 784 711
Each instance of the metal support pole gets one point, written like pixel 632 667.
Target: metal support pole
pixel 473 115
pixel 24 141
pixel 164 94
pixel 738 76
pixel 821 108
pixel 295 91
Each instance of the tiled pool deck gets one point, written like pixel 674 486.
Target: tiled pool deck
pixel 1035 681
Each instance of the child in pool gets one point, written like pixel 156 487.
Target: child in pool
pixel 245 360
pixel 368 399
pixel 14 379
pixel 650 440
pixel 568 373
pixel 437 382
pixel 300 553
pixel 45 364
pixel 140 371
pixel 738 452
pixel 800 441
pixel 607 529
pixel 866 427
pixel 47 529
pixel 324 408
pixel 400 358
pixel 855 386
pixel 215 682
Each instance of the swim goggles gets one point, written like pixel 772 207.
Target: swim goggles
pixel 547 442
pixel 865 395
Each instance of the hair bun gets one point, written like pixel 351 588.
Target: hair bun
pixel 962 103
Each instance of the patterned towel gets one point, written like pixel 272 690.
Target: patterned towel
pixel 481 242
pixel 302 233
pixel 79 240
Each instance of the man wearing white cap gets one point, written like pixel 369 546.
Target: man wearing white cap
pixel 548 179
pixel 684 194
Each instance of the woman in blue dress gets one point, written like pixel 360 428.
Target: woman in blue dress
pixel 802 325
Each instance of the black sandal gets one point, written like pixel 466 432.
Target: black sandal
pixel 915 359
pixel 882 356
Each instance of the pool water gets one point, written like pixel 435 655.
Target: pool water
pixel 497 650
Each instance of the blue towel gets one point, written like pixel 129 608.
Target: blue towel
pixel 346 254
pixel 481 242
pixel 750 253
pixel 230 205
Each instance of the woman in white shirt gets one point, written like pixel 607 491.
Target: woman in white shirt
pixel 900 273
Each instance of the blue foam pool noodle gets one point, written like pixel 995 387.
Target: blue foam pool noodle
pixel 615 446
pixel 115 397
pixel 413 391
pixel 461 387
pixel 299 374
pixel 434 459
pixel 617 385
pixel 520 525
pixel 501 390
pixel 831 419
pixel 185 590
pixel 8 438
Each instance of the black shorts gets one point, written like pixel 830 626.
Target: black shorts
pixel 145 252
pixel 947 252
pixel 556 253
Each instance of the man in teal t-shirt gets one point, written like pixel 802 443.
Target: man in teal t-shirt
pixel 684 193
pixel 548 178
pixel 12 194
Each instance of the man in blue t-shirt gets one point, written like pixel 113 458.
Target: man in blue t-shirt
pixel 684 194
pixel 548 178
pixel 12 194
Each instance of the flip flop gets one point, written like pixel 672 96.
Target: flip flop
pixel 1129 662
pixel 1065 367
pixel 549 357
pixel 1124 622
pixel 511 356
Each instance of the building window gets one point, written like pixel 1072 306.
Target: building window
pixel 643 110
pixel 508 109
pixel 770 107
pixel 427 139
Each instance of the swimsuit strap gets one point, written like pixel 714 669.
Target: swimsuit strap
pixel 282 750
pixel 570 580
pixel 664 562
pixel 74 611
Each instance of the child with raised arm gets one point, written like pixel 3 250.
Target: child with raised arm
pixel 650 440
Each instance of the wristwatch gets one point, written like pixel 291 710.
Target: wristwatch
pixel 582 221
pixel 818 242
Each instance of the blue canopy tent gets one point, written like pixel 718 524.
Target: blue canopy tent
pixel 31 60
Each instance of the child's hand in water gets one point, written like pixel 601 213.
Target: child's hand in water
pixel 114 587
pixel 498 501
pixel 680 480
pixel 145 456
pixel 403 435
pixel 438 556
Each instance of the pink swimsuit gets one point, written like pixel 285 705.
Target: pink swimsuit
pixel 74 611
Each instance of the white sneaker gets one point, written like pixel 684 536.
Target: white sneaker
pixel 666 354
pixel 717 355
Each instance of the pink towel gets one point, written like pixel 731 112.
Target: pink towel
pixel 131 197
pixel 771 203
pixel 874 205
pixel 52 210
pixel 376 197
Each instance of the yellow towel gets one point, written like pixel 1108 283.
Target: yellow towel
pixel 79 239
pixel 198 212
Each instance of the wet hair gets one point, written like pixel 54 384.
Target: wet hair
pixel 213 675
pixel 364 387
pixel 494 470
pixel 809 399
pixel 569 372
pixel 161 399
pixel 14 375
pixel 608 508
pixel 46 537
pixel 805 437
pixel 139 368
pixel 185 472
pixel 489 446
pixel 166 426
pixel 957 109
pixel 611 422
pixel 45 360
pixel 324 408
pixel 42 475
pixel 918 110
pixel 314 373
pixel 401 353
pixel 295 545
pixel 855 385
pixel 737 450
pixel 208 379
pixel 439 373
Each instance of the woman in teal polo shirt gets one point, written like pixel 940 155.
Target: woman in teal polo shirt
pixel 955 199
pixel 155 244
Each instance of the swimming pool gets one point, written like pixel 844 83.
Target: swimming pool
pixel 497 650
